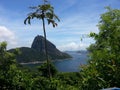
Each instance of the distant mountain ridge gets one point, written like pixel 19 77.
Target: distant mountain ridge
pixel 37 51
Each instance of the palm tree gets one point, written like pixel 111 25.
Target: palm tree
pixel 43 12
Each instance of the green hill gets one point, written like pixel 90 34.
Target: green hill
pixel 37 52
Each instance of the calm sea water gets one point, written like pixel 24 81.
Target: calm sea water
pixel 72 65
pixel 69 65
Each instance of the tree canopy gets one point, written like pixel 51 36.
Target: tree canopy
pixel 45 11
pixel 103 68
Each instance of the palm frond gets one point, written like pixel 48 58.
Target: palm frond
pixel 52 22
pixel 56 17
pixel 51 9
pixel 43 11
pixel 27 20
pixel 45 7
pixel 49 15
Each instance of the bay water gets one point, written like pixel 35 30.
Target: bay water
pixel 71 64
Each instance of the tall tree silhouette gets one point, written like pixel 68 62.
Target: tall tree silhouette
pixel 43 12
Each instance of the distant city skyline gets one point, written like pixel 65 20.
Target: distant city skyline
pixel 78 18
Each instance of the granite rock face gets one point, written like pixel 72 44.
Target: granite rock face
pixel 37 51
pixel 39 44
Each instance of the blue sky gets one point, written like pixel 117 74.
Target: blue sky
pixel 78 18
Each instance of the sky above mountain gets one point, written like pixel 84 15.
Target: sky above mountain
pixel 78 18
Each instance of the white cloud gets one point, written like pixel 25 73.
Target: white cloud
pixel 72 46
pixel 8 36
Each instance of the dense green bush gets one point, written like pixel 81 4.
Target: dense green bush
pixel 103 69
pixel 12 78
pixel 43 70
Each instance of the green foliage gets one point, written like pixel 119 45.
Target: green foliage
pixel 57 83
pixel 72 78
pixel 43 69
pixel 45 11
pixel 45 84
pixel 15 77
pixel 11 78
pixel 103 68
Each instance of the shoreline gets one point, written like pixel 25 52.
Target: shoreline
pixel 40 62
pixel 35 62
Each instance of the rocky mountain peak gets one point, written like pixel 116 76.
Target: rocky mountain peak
pixel 37 51
pixel 39 44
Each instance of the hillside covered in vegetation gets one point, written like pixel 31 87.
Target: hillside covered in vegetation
pixel 37 52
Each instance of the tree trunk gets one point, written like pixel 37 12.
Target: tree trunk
pixel 46 51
